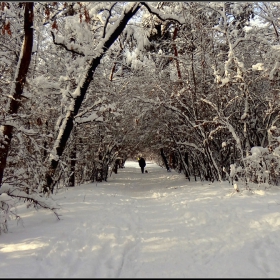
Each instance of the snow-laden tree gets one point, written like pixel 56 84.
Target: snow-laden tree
pixel 23 58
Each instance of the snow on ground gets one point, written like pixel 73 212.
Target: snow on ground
pixel 156 224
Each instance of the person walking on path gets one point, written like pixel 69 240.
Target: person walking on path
pixel 142 163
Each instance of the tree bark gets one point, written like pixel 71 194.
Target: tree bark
pixel 67 124
pixel 17 87
pixel 176 55
pixel 73 159
pixel 164 159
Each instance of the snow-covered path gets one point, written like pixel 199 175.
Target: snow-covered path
pixel 148 225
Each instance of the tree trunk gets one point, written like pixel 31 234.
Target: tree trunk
pixel 176 56
pixel 73 160
pixel 185 164
pixel 80 92
pixel 17 87
pixel 116 166
pixel 172 160
pixel 72 166
pixel 164 159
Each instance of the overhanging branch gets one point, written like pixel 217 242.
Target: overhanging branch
pixel 161 15
pixel 68 48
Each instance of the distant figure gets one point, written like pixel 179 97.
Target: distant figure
pixel 142 163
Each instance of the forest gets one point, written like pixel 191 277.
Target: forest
pixel 193 86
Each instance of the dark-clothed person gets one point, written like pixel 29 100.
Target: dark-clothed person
pixel 142 163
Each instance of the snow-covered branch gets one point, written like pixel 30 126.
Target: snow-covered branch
pixel 162 16
pixel 32 196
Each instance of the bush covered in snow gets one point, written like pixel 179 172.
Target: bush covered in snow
pixel 262 165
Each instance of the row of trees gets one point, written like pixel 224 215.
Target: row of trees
pixel 86 85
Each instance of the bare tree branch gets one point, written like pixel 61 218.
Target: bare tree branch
pixel 68 47
pixel 107 20
pixel 161 15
